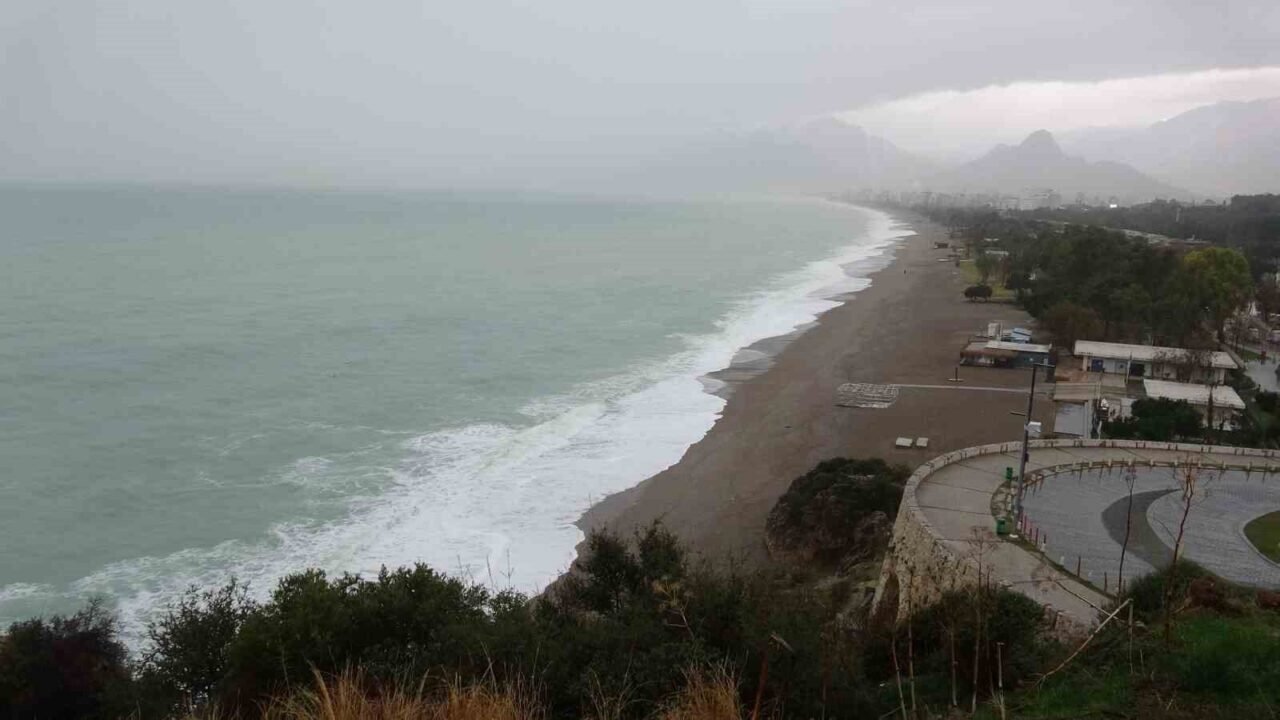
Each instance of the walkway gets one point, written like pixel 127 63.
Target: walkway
pixel 957 498
pixel 1084 512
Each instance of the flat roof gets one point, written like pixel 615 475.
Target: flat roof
pixel 980 347
pixel 1144 353
pixel 1019 347
pixel 1223 396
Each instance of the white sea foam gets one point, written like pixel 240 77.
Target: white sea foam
pixel 499 502
pixel 24 591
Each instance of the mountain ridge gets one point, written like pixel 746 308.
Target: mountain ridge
pixel 1226 148
pixel 1039 162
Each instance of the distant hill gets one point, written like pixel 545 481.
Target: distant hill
pixel 1224 149
pixel 817 156
pixel 1039 163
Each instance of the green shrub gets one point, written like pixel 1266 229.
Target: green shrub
pixel 640 612
pixel 191 642
pixel 820 514
pixel 1148 592
pixel 64 667
pixel 628 621
pixel 406 620
pixel 1158 419
pixel 1013 633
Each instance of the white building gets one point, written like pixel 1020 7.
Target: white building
pixel 1227 405
pixel 1153 361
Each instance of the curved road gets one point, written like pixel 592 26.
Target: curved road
pixel 1077 516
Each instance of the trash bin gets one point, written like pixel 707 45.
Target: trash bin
pixel 1002 526
pixel 1008 473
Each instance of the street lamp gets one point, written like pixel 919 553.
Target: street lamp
pixel 1029 428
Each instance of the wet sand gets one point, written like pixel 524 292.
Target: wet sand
pixel 908 327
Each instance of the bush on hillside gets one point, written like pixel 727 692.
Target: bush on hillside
pixel 64 667
pixel 190 644
pixel 1148 591
pixel 840 511
pixel 1012 630
pixel 409 620
pixel 634 614
pixel 629 619
pixel 625 625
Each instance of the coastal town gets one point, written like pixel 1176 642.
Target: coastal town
pixel 571 360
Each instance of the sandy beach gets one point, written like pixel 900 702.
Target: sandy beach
pixel 908 327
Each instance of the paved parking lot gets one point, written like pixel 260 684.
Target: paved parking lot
pixel 1083 513
pixel 1079 512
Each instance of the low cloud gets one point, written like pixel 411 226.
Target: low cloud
pixel 956 124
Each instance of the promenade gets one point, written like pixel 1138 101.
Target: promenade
pixel 1070 507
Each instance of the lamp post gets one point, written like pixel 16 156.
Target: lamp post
pixel 1026 437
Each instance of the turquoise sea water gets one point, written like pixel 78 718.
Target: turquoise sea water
pixel 200 383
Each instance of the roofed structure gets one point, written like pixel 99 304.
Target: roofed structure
pixel 1223 395
pixel 998 353
pixel 1146 353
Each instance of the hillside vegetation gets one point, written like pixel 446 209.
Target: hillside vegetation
pixel 641 629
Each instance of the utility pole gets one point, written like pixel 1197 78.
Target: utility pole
pixel 1026 436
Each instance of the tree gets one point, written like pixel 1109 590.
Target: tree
pixel 190 643
pixel 1179 314
pixel 64 667
pixel 985 264
pixel 1267 296
pixel 1130 309
pixel 1158 419
pixel 1018 280
pixel 1070 322
pixel 1220 281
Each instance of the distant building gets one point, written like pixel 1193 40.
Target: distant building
pixel 1016 335
pixel 1227 405
pixel 1152 361
pixel 998 353
pixel 1081 407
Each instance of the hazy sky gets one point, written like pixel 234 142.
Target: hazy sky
pixel 977 119
pixel 519 93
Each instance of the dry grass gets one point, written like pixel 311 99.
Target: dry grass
pixel 350 696
pixel 605 705
pixel 710 694
pixel 707 695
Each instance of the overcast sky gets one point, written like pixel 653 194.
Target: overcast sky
pixel 977 119
pixel 483 92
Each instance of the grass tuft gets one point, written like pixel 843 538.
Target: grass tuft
pixel 350 696
pixel 707 695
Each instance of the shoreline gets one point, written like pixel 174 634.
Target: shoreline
pixel 780 418
pixel 755 359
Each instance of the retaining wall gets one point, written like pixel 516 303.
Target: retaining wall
pixel 920 565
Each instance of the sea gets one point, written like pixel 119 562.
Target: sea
pixel 198 384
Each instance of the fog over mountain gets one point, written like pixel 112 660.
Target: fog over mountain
pixel 1039 163
pixel 1221 149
